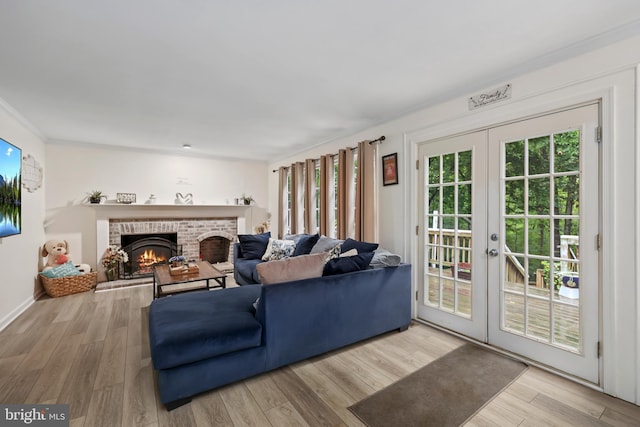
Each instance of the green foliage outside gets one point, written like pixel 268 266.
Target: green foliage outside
pixel 551 179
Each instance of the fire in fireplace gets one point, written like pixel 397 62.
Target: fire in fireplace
pixel 145 251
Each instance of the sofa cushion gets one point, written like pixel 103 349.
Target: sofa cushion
pixel 288 269
pixel 360 246
pixel 305 243
pixel 245 271
pixel 325 244
pixel 253 246
pixel 279 249
pixel 347 264
pixel 186 328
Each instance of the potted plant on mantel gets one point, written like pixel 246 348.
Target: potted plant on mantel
pixel 96 196
pixel 246 200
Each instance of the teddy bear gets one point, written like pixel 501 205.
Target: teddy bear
pixel 57 252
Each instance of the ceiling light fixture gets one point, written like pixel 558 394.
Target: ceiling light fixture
pixel 186 146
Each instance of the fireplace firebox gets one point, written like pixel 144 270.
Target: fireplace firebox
pixel 145 251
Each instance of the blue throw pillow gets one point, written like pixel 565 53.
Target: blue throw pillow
pixel 305 244
pixel 62 270
pixel 253 246
pixel 347 264
pixel 359 246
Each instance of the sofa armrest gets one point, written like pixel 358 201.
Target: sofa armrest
pixel 244 270
pixel 237 251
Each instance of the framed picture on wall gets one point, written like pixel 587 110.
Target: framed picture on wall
pixel 390 169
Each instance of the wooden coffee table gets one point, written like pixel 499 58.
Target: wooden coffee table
pixel 166 284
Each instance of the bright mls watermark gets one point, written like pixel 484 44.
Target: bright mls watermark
pixel 34 415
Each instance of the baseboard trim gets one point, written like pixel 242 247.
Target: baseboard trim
pixel 13 315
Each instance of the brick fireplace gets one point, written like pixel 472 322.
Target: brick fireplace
pixel 196 227
pixel 190 232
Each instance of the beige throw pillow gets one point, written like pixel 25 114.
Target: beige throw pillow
pixel 288 269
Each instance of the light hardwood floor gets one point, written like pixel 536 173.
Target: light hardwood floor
pixel 91 351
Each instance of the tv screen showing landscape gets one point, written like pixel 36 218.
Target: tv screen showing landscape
pixel 10 189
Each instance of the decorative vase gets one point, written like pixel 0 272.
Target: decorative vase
pixel 111 274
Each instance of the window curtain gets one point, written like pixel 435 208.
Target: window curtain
pixel 310 223
pixel 365 212
pixel 327 195
pixel 282 201
pixel 297 198
pixel 346 194
pixel 342 207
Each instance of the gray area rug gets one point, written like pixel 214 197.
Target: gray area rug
pixel 446 392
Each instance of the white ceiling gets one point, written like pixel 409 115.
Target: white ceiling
pixel 264 79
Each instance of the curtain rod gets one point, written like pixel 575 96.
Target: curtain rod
pixel 382 138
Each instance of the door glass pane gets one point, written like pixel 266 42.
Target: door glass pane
pixel 539 237
pixel 448 199
pixel 538 318
pixel 448 240
pixel 464 199
pixel 539 155
pixel 567 151
pixel 541 206
pixel 514 232
pixel 566 330
pixel 514 197
pixel 513 309
pixel 434 170
pixel 566 190
pixel 539 196
pixel 464 166
pixel 514 159
pixel 515 273
pixel 449 167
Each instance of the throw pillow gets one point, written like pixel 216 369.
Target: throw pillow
pixel 294 268
pixel 253 246
pixel 347 264
pixel 335 251
pixel 324 244
pixel 350 252
pixel 305 243
pixel 62 270
pixel 360 246
pixel 295 237
pixel 278 249
pixel 384 258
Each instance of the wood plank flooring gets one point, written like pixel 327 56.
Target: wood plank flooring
pixel 91 350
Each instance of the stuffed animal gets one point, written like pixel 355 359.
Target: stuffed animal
pixel 57 253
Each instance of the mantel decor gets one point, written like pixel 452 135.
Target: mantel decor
pixel 96 197
pixel 390 169
pixel 126 198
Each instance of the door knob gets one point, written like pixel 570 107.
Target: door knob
pixel 493 252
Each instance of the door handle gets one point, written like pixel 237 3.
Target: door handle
pixel 493 252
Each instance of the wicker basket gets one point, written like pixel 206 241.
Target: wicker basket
pixel 69 284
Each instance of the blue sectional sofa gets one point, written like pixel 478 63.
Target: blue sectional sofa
pixel 203 340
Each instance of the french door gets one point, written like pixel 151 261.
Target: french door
pixel 510 221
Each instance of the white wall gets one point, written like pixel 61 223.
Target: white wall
pixel 74 170
pixel 19 254
pixel 608 73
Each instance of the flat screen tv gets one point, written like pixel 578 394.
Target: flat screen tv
pixel 10 189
